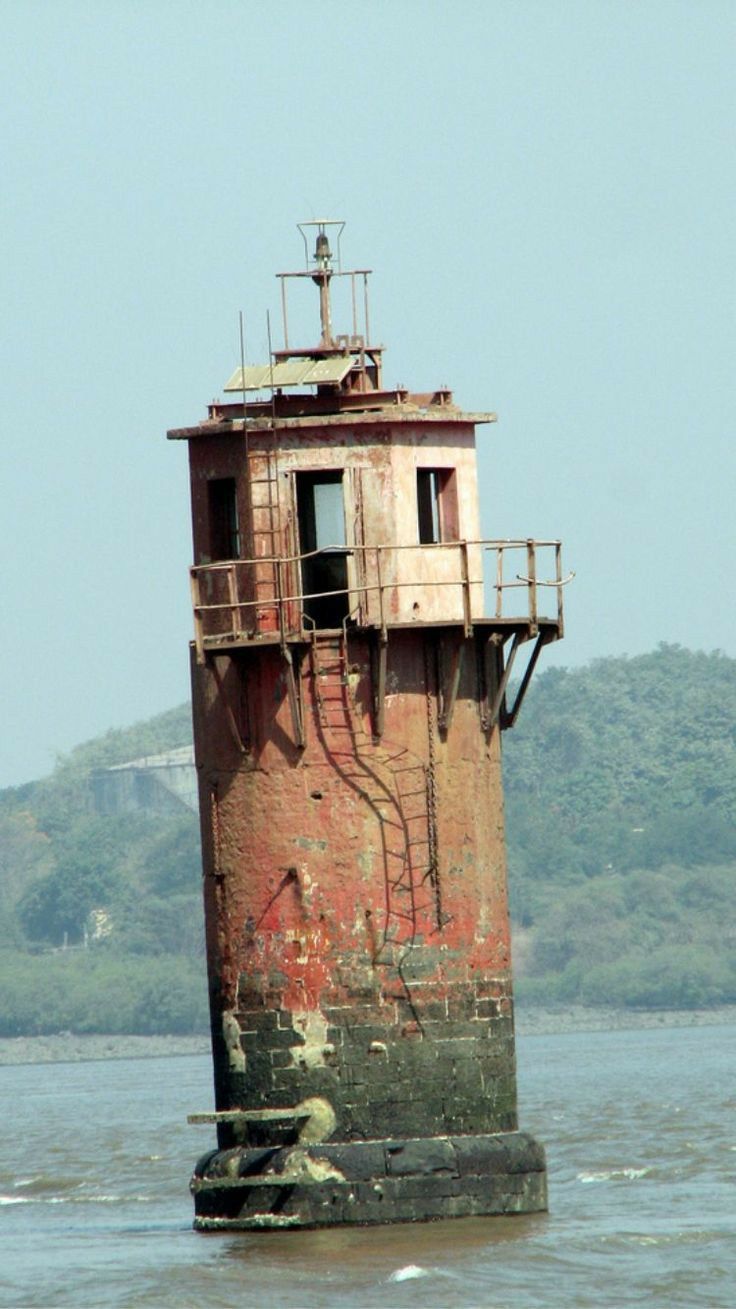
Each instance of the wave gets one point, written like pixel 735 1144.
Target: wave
pixel 614 1175
pixel 408 1273
pixel 74 1199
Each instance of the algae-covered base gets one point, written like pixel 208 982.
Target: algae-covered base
pixel 365 1182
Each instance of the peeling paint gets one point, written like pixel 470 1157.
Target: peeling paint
pixel 232 1034
pixel 305 843
pixel 321 1121
pixel 299 1166
pixel 313 1027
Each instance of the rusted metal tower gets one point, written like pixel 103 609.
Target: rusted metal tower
pixel 354 638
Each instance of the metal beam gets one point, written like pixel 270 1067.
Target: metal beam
pixel 511 717
pixel 379 649
pixel 229 715
pixel 448 684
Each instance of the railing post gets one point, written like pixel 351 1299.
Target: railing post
pixel 499 581
pixel 279 602
pixel 468 620
pixel 381 615
pixel 531 572
pixel 560 590
pixel 233 598
pixel 198 626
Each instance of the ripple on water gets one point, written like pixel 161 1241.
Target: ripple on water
pixel 408 1273
pixel 614 1175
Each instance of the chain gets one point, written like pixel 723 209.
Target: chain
pixel 215 821
pixel 433 870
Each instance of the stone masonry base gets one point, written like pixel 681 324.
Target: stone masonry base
pixel 401 1180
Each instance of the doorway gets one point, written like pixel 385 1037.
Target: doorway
pixel 321 517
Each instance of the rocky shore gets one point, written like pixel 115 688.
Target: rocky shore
pixel 531 1020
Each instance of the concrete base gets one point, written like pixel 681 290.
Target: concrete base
pixel 369 1182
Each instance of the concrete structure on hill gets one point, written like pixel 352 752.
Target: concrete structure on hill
pixel 354 639
pixel 156 784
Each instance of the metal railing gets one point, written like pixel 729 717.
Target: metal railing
pixel 241 600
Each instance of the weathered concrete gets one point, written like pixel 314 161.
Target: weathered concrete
pixel 356 893
pixel 358 932
pixel 349 692
pixel 382 1181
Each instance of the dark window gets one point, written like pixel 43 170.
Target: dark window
pixel 437 514
pixel 321 515
pixel 223 516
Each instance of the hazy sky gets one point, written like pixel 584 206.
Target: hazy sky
pixel 546 194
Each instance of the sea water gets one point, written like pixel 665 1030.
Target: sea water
pixel 640 1133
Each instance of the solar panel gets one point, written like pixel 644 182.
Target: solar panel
pixel 329 370
pixel 290 372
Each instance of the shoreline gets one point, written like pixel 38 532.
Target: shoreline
pixel 554 1020
pixel 531 1020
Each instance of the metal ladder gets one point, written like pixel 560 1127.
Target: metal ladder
pixel 265 524
pixel 394 783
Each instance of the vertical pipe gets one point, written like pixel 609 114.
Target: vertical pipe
pixel 283 313
pixel 275 444
pixel 325 312
pixel 242 366
pixel 365 309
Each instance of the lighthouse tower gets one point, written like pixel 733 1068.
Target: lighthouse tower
pixel 354 640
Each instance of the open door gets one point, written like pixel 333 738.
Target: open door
pixel 321 516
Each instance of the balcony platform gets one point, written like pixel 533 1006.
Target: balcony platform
pixel 523 627
pixel 245 605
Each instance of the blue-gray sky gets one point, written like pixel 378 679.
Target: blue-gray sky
pixel 545 191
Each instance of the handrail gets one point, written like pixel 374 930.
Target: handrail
pixel 488 543
pixel 221 617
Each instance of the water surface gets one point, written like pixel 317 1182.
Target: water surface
pixel 640 1133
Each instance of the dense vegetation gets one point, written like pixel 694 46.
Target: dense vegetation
pixel 621 807
pixel 620 802
pixel 100 916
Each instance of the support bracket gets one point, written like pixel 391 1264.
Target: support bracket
pixel 232 722
pixel 510 717
pixel 449 668
pixel 379 651
pixel 494 707
pixel 293 688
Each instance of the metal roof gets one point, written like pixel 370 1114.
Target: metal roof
pixel 290 372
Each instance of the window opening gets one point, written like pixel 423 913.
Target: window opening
pixel 223 518
pixel 321 517
pixel 437 511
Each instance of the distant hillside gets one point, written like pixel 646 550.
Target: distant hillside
pixel 621 818
pixel 620 805
pixel 109 907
